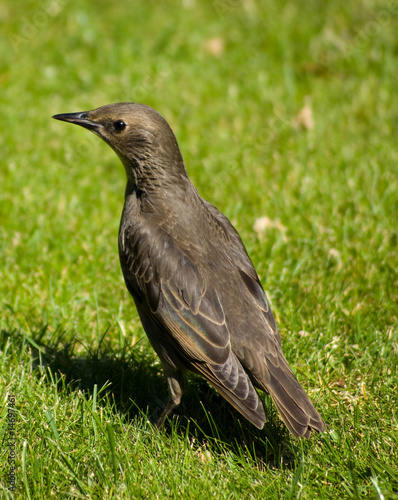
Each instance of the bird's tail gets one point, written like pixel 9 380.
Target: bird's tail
pixel 292 402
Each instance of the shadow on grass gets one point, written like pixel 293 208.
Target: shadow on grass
pixel 136 387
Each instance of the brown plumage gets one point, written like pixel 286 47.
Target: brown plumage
pixel 197 293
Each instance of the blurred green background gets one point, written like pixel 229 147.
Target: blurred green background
pixel 286 115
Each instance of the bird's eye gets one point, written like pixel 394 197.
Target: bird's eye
pixel 119 125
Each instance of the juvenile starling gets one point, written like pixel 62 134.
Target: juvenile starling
pixel 195 288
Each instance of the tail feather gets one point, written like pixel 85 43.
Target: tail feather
pixel 293 404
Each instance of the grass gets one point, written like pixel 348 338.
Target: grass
pixel 232 78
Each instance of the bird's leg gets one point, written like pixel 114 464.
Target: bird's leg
pixel 176 386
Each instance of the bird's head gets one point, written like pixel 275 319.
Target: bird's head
pixel 139 135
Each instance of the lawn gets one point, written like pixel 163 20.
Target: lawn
pixel 287 117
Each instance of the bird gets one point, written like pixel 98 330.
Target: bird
pixel 195 288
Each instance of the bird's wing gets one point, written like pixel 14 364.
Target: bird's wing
pixel 200 332
pixel 190 313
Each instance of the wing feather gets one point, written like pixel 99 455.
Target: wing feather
pixel 191 312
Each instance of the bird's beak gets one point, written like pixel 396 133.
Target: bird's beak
pixel 81 119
